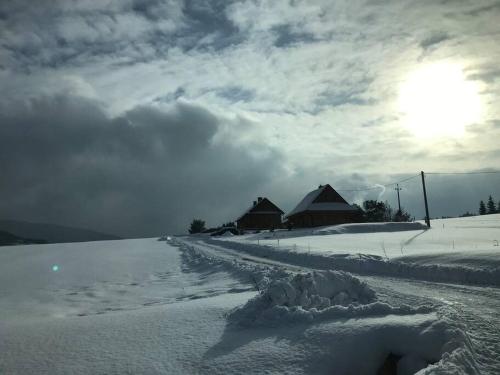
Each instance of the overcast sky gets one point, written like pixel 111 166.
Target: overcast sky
pixel 135 116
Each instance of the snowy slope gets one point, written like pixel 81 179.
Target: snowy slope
pixel 95 277
pixel 454 250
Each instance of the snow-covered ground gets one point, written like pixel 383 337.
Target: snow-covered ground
pixel 455 250
pixel 473 234
pixel 111 307
pixel 248 304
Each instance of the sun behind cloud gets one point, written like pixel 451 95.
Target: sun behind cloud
pixel 437 101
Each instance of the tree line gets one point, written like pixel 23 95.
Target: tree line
pixel 378 211
pixel 489 207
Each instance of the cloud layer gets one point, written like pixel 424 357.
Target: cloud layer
pixel 135 116
pixel 142 173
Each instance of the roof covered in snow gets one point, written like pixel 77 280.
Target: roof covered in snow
pixel 262 206
pixel 324 198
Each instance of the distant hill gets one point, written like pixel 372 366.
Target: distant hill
pixel 52 233
pixel 7 239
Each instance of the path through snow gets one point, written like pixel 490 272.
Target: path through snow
pixel 475 307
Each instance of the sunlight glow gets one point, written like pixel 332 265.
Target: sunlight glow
pixel 437 101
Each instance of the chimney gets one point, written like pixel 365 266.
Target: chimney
pixel 259 199
pixel 254 203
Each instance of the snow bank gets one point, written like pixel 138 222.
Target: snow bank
pixel 258 275
pixel 370 228
pixel 456 353
pixel 474 260
pixel 364 264
pixel 338 229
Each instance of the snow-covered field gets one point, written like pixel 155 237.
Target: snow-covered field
pixel 476 235
pixel 456 250
pixel 251 304
pixel 111 307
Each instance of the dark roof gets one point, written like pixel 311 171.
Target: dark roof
pixel 324 198
pixel 262 207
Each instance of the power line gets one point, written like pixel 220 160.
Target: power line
pixel 422 175
pixel 361 189
pixel 404 180
pixel 462 173
pixel 378 186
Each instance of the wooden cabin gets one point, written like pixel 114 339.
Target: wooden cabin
pixel 263 214
pixel 321 207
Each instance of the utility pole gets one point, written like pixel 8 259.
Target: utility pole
pixel 427 218
pixel 397 188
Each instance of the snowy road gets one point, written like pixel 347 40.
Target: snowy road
pixel 477 308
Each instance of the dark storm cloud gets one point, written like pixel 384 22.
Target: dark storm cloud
pixel 148 171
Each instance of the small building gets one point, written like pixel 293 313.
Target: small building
pixel 323 206
pixel 263 214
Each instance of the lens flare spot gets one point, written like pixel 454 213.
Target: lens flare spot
pixel 55 268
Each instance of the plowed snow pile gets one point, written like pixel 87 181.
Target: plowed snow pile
pixel 304 296
pixel 344 309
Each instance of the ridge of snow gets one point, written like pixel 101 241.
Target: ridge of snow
pixel 365 264
pixel 353 228
pixel 370 228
